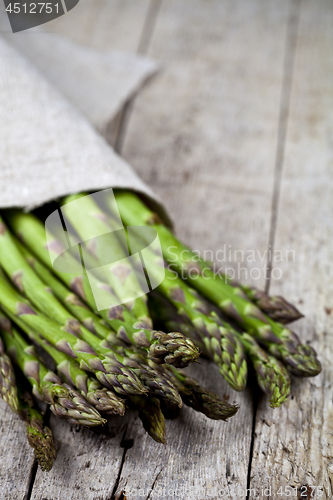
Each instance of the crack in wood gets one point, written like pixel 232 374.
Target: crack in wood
pixel 154 482
pixel 33 473
pixel 255 407
pixel 126 444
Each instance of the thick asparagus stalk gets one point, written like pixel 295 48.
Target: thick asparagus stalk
pixel 272 376
pixel 40 436
pixel 8 388
pixel 172 348
pixel 151 416
pixel 201 399
pixel 26 280
pixel 284 343
pixel 88 219
pixel 109 371
pixel 70 300
pixel 46 385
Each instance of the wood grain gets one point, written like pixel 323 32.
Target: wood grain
pixel 209 123
pixel 294 446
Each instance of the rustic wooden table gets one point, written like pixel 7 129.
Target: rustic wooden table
pixel 235 134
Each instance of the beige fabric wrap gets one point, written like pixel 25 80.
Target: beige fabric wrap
pixel 54 95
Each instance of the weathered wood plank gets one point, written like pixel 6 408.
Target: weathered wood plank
pixel 210 122
pixel 294 445
pixel 203 134
pixel 16 457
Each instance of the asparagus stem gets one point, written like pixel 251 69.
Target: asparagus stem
pixel 201 399
pixel 281 341
pixel 20 402
pixel 88 219
pixel 39 436
pixel 272 376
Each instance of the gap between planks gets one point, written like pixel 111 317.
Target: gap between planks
pixel 286 86
pixel 288 70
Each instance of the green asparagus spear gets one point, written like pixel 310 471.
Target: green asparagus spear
pixel 285 344
pixel 70 300
pixel 8 388
pixel 151 416
pixel 272 376
pixel 39 436
pixel 88 219
pixel 201 399
pixel 109 371
pixel 172 348
pixel 274 306
pixel 46 385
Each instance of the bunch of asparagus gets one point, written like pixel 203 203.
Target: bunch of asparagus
pixel 107 359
